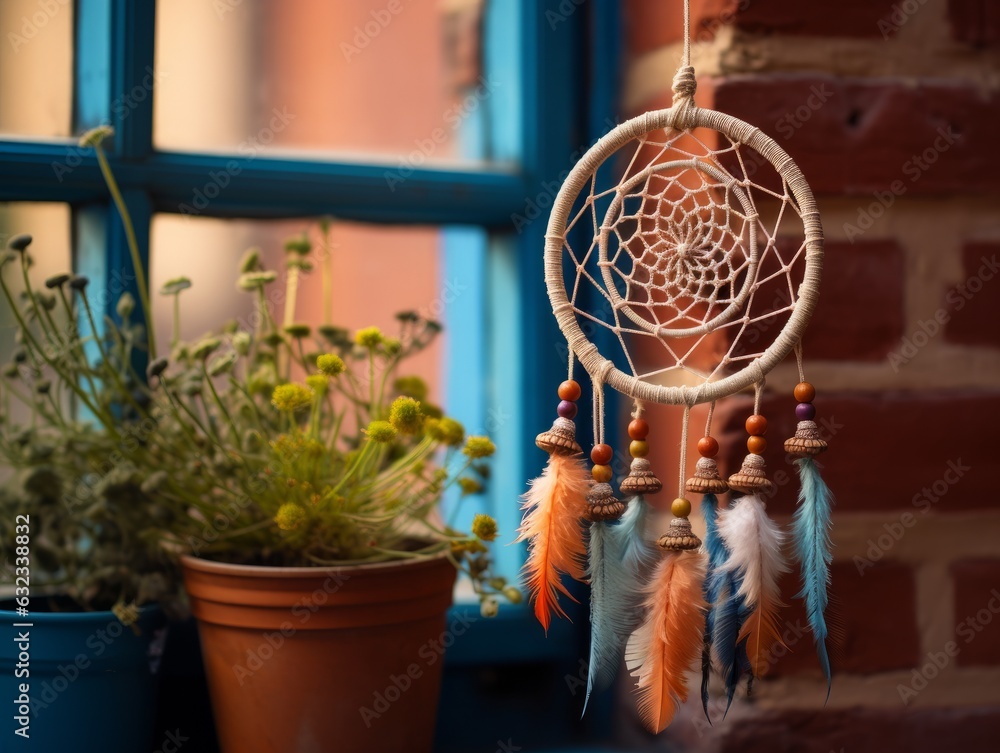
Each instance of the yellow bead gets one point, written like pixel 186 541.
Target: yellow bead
pixel 639 448
pixel 680 508
pixel 601 473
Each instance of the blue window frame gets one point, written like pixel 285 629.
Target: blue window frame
pixel 561 57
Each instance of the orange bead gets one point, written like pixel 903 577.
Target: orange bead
pixel 757 425
pixel 569 390
pixel 638 429
pixel 804 392
pixel 708 447
pixel 601 473
pixel 639 448
pixel 602 454
pixel 756 445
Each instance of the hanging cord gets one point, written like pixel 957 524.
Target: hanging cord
pixel 684 450
pixel 598 382
pixel 711 415
pixel 798 361
pixel 684 85
pixel 638 409
pixel 758 390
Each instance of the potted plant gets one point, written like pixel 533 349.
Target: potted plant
pixel 84 628
pixel 301 478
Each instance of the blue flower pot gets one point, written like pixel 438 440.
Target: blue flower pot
pixel 91 681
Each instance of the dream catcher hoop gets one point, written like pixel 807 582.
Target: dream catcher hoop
pixel 705 258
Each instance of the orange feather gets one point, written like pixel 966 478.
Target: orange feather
pixel 761 632
pixel 554 506
pixel 664 648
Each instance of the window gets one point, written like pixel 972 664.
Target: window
pixel 466 201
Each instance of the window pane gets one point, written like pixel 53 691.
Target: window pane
pixel 377 272
pixel 387 78
pixel 49 226
pixel 36 68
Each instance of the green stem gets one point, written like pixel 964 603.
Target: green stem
pixel 133 245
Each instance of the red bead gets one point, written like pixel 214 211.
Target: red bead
pixel 601 454
pixel 708 447
pixel 756 445
pixel 804 392
pixel 569 390
pixel 757 425
pixel 638 429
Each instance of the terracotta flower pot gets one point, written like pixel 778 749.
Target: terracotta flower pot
pixel 314 659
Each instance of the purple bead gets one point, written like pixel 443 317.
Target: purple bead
pixel 805 411
pixel 566 409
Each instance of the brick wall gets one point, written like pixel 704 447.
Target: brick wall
pixel 890 109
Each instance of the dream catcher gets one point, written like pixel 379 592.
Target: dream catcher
pixel 703 260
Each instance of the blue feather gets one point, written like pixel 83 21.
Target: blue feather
pixel 811 524
pixel 714 584
pixel 637 554
pixel 731 612
pixel 611 608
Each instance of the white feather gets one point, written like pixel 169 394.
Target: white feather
pixel 754 542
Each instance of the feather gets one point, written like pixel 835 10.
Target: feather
pixel 730 651
pixel 663 649
pixel 714 585
pixel 553 507
pixel 638 554
pixel 811 525
pixel 610 611
pixel 754 543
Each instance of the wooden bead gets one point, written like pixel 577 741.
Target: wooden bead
pixel 804 392
pixel 639 448
pixel 757 425
pixel 680 508
pixel 569 390
pixel 756 445
pixel 638 429
pixel 601 473
pixel 708 447
pixel 601 454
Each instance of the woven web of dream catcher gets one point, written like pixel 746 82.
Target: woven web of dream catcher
pixel 693 261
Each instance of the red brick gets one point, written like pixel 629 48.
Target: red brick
pixel 836 331
pixel 975 22
pixel 650 24
pixel 851 18
pixel 857 644
pixel 887 450
pixel 974 305
pixel 977 611
pixel 864 730
pixel 855 137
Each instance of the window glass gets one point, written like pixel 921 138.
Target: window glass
pixel 376 272
pixel 388 79
pixel 36 68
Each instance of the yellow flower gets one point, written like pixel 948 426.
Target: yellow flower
pixel 411 386
pixel 392 345
pixel 484 527
pixel 469 485
pixel 444 429
pixel 381 431
pixel 479 447
pixel 331 364
pixel 318 383
pixel 291 397
pixel 369 337
pixel 289 516
pixel 405 415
